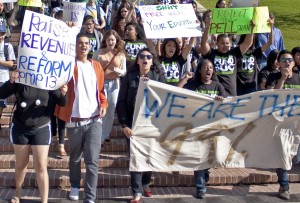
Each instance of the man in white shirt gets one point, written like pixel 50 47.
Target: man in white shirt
pixel 7 58
pixel 83 115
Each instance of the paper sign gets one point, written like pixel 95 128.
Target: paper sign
pixel 74 12
pixel 175 129
pixel 238 20
pixel 9 1
pixel 46 54
pixel 169 21
pixel 33 3
pixel 244 3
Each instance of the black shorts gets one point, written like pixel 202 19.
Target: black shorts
pixel 38 136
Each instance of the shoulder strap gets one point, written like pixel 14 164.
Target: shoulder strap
pixel 6 51
pixel 110 61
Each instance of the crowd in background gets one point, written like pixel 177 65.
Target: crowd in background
pixel 224 65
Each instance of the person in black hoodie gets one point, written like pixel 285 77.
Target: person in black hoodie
pixel 144 69
pixel 30 130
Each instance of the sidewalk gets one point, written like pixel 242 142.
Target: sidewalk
pixel 215 194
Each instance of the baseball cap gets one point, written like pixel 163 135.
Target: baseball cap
pixel 2 28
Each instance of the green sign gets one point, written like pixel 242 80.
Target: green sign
pixel 238 20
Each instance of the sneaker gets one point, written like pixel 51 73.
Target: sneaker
pixel 200 195
pixel 283 194
pixel 89 201
pixel 2 104
pixel 74 194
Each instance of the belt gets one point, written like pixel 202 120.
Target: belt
pixel 78 122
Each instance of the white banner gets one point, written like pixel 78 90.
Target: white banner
pixel 46 54
pixel 9 1
pixel 169 21
pixel 180 130
pixel 244 3
pixel 74 12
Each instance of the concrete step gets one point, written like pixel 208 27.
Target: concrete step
pixel 119 177
pixel 117 145
pixel 106 160
pixel 169 194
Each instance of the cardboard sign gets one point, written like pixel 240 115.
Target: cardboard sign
pixel 33 3
pixel 175 129
pixel 74 12
pixel 170 21
pixel 46 54
pixel 238 20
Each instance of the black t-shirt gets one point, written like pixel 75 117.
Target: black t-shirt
pixel 290 83
pixel 132 49
pixel 213 89
pixel 173 69
pixel 93 44
pixel 264 74
pixel 226 67
pixel 248 69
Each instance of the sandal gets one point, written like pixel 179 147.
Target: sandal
pixel 15 200
pixel 61 151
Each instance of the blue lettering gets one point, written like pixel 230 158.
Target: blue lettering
pixel 210 106
pixel 154 107
pixel 295 104
pixel 24 39
pixel 236 106
pixel 172 105
pixel 275 107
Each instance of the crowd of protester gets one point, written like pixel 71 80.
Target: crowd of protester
pixel 112 38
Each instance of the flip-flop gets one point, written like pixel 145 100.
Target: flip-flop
pixel 15 200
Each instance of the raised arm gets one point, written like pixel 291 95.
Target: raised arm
pixel 205 48
pixel 271 37
pixel 248 40
pixel 188 47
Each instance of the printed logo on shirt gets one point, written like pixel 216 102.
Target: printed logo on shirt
pixel 93 43
pixel 247 64
pixel 171 71
pixel 290 86
pixel 132 49
pixel 224 65
pixel 211 93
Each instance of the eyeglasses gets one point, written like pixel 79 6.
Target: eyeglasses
pixel 283 60
pixel 143 56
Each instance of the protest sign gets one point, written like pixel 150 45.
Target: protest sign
pixel 175 129
pixel 169 21
pixel 33 3
pixel 9 1
pixel 46 54
pixel 244 3
pixel 238 20
pixel 74 12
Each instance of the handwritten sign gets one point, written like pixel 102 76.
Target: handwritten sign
pixel 238 20
pixel 33 3
pixel 9 1
pixel 244 3
pixel 74 12
pixel 175 129
pixel 46 52
pixel 169 21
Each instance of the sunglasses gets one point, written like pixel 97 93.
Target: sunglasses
pixel 286 60
pixel 143 56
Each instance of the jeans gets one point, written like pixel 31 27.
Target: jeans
pixel 283 178
pixel 138 181
pixel 111 91
pixel 84 140
pixel 201 178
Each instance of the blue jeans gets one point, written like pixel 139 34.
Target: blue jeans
pixel 85 140
pixel 138 181
pixel 111 91
pixel 283 178
pixel 201 178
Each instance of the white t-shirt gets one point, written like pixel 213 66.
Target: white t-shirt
pixel 4 72
pixel 85 103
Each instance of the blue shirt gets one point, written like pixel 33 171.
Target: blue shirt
pixel 262 38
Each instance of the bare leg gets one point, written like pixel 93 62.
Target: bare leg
pixel 22 158
pixel 40 162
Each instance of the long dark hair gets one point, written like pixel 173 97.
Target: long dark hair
pixel 155 61
pixel 271 59
pixel 197 74
pixel 140 32
pixel 163 47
